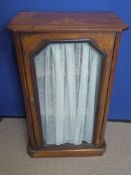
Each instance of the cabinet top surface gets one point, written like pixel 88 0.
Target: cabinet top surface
pixel 87 21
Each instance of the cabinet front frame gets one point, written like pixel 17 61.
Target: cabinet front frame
pixel 28 42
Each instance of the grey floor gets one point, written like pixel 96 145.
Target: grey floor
pixel 14 159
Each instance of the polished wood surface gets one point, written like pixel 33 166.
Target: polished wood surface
pixel 32 31
pixel 31 42
pixel 113 66
pixel 54 22
pixel 83 152
pixel 19 53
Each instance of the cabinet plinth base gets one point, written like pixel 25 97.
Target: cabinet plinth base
pixel 83 152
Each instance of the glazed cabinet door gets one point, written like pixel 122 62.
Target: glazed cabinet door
pixel 67 78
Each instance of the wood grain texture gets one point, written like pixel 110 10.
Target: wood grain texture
pixel 33 30
pixel 19 53
pixel 56 22
pixel 105 41
pixel 112 72
pixel 83 152
pixel 31 99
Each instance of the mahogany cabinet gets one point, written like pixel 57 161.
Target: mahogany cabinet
pixel 66 63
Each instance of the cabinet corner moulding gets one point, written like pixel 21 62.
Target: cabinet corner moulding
pixel 66 63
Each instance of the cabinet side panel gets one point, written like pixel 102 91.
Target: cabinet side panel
pixel 31 94
pixel 113 66
pixel 17 41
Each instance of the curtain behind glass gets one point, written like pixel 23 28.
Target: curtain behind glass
pixel 68 81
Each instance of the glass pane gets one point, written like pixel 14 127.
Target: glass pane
pixel 68 76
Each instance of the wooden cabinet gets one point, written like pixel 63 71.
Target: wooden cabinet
pixel 66 63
